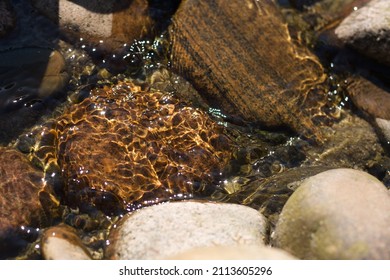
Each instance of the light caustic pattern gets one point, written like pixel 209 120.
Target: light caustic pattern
pixel 122 148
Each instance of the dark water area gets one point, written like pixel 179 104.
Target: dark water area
pixel 30 96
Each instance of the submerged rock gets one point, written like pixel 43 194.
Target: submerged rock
pixel 21 211
pixel 352 143
pixel 373 99
pixel 31 80
pixel 123 147
pixel 337 214
pixel 240 56
pixel 370 97
pixel 266 194
pixel 367 30
pixel 164 230
pixel 29 75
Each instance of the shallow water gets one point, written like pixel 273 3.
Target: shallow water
pixel 262 157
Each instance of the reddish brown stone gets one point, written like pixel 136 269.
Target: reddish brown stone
pixel 20 207
pixel 124 147
pixel 240 56
pixel 369 97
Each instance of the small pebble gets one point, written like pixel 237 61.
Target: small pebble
pixel 62 243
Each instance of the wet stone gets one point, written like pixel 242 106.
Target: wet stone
pixel 270 194
pixel 367 30
pixel 21 211
pixel 122 148
pixel 372 97
pixel 337 214
pixel 31 82
pixel 62 242
pixel 215 45
pixel 164 230
pixel 352 143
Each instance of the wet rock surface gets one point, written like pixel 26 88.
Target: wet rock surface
pixel 62 243
pixel 370 97
pixel 20 205
pixel 367 30
pixel 32 80
pixel 249 85
pixel 188 225
pixel 123 147
pixel 266 194
pixel 337 214
pixel 353 143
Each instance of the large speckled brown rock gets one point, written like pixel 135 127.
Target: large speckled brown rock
pixel 337 214
pixel 240 56
pixel 124 147
pixel 20 206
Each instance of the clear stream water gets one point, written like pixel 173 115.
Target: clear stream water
pixel 266 162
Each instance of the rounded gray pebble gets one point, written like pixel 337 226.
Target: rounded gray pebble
pixel 163 230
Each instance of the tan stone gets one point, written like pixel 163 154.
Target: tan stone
pixel 337 214
pixel 62 243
